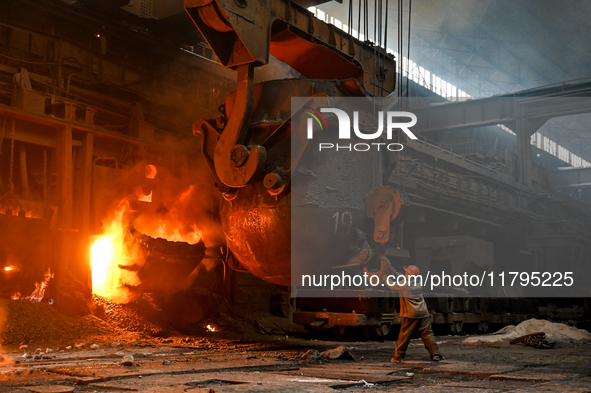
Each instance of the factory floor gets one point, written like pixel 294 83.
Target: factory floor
pixel 274 363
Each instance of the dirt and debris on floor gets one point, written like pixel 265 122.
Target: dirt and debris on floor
pixel 27 322
pixel 140 316
pixel 44 351
pixel 274 364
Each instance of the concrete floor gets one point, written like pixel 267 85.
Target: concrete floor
pixel 274 365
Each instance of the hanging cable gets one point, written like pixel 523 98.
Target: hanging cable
pixel 359 21
pixel 401 182
pixel 400 69
pixel 350 19
pixel 375 46
pixel 400 46
pixel 408 50
pixel 378 57
pixel 386 28
pixel 366 24
pixel 375 22
pixel 383 65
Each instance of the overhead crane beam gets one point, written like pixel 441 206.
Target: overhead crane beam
pixel 524 113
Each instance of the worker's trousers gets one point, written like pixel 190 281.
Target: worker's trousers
pixel 408 327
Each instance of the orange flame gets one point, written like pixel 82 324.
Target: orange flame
pixel 171 226
pixel 9 268
pixel 40 288
pixel 210 328
pixel 108 251
pixel 102 256
pixel 170 230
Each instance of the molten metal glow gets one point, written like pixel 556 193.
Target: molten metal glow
pixel 9 268
pixel 117 255
pixel 173 225
pixel 145 198
pixel 151 171
pixel 172 231
pixel 102 255
pixel 107 253
pixel 210 328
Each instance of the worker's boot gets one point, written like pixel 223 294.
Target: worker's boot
pixel 437 357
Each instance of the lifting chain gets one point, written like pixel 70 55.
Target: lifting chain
pixel 10 184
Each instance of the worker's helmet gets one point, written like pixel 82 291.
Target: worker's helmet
pixel 411 270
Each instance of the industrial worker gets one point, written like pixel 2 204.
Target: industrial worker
pixel 413 309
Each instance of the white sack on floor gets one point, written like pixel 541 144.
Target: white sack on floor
pixel 558 332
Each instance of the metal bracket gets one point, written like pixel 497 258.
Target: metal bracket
pixel 235 163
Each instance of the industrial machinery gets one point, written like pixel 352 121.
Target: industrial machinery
pixel 248 153
pixel 80 136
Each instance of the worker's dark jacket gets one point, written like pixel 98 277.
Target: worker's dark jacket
pixel 416 317
pixel 412 304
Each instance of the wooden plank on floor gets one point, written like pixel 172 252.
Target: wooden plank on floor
pixel 100 374
pixel 270 388
pixel 329 373
pixel 176 389
pixel 206 379
pixel 370 368
pixel 470 368
pixel 532 376
pixel 486 384
pixel 438 389
pixel 553 389
pixel 48 388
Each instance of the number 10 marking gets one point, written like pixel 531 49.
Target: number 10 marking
pixel 346 222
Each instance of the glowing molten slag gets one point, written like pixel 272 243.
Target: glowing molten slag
pixel 151 171
pixel 116 258
pixel 106 253
pixel 173 232
pixel 8 268
pixel 102 255
pixel 172 226
pixel 145 198
pixel 210 328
